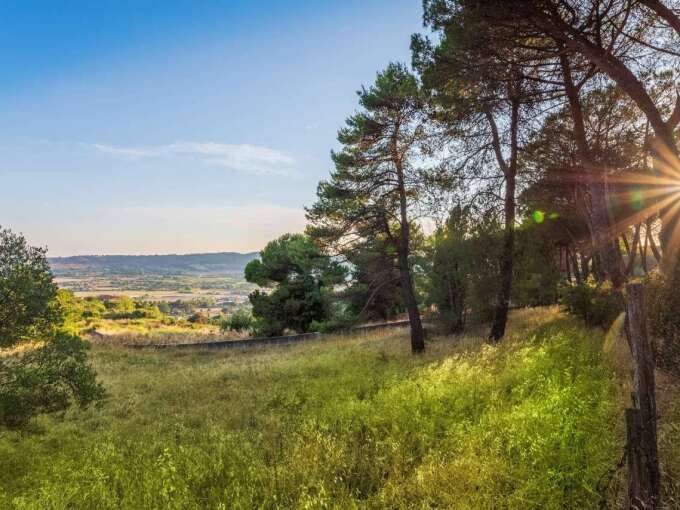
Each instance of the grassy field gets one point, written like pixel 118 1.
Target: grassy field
pixel 156 331
pixel 535 422
pixel 159 287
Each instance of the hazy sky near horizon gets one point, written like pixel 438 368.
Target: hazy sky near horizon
pixel 182 126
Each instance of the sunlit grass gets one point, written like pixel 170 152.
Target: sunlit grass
pixel 534 422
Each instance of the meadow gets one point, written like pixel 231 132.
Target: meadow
pixel 347 422
pixel 158 287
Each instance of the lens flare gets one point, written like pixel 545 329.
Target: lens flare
pixel 637 199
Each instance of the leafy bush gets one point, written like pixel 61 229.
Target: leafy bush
pixel 536 275
pixel 240 320
pixel 46 380
pixel 596 303
pixel 463 272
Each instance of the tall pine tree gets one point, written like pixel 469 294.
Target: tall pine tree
pixel 376 180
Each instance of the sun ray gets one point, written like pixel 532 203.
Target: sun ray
pixel 622 225
pixel 672 245
pixel 666 161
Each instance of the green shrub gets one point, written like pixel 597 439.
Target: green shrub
pixel 240 320
pixel 29 307
pixel 46 380
pixel 596 303
pixel 334 324
pixel 462 270
pixel 49 370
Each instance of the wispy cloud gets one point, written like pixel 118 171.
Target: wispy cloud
pixel 124 151
pixel 238 157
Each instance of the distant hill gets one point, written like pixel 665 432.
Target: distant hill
pixel 198 263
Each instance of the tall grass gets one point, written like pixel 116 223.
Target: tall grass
pixel 534 422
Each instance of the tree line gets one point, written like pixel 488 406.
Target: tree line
pixel 537 137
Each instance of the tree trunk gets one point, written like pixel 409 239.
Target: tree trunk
pixel 662 160
pixel 632 255
pixel 568 264
pixel 585 266
pixel 665 150
pixel 417 334
pixel 643 250
pixel 652 244
pixel 626 245
pixel 507 262
pixel 577 270
pixel 644 476
pixel 509 169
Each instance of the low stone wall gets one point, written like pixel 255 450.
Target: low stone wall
pixel 274 340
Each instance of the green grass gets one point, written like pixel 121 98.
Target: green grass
pixel 535 422
pixel 144 331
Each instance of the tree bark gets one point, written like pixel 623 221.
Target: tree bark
pixel 568 264
pixel 626 244
pixel 577 270
pixel 632 255
pixel 507 262
pixel 417 334
pixel 643 251
pixel 644 474
pixel 652 244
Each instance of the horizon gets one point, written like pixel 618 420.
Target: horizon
pixel 193 128
pixel 84 255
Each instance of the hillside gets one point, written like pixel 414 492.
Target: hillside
pixel 191 264
pixel 532 423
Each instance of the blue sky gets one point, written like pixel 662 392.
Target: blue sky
pixel 179 126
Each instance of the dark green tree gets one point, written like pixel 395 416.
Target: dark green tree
pixel 376 183
pixel 374 292
pixel 462 268
pixel 302 281
pixel 449 270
